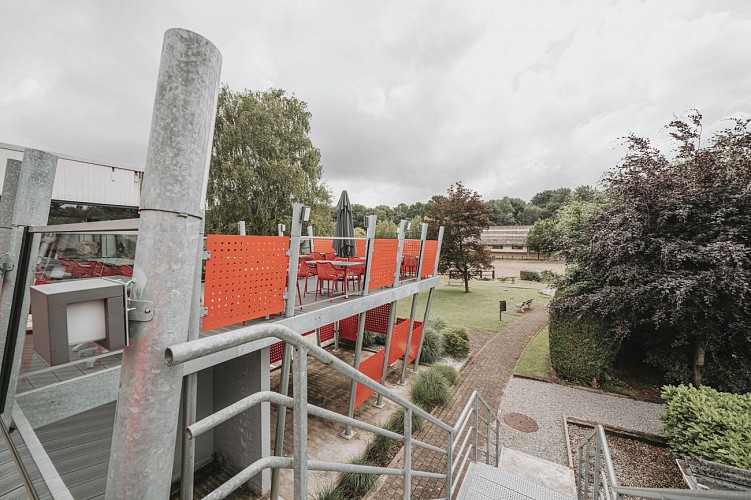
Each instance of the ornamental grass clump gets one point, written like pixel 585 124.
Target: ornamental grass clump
pixel 432 346
pixel 328 492
pixel 456 342
pixel 430 389
pixel 448 372
pixel 356 484
pixel 396 422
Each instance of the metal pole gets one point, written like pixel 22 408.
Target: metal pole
pixel 310 233
pixel 407 485
pixel 241 228
pixel 31 207
pixel 449 464
pixel 487 437
pixel 300 420
pixel 8 201
pixel 413 309
pixel 475 431
pixel 348 433
pixel 392 310
pixel 190 382
pixel 294 257
pixel 174 194
pixel 430 299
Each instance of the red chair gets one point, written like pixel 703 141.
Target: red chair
pixel 328 273
pixel 409 265
pixel 330 256
pixel 99 269
pixel 303 272
pixel 357 272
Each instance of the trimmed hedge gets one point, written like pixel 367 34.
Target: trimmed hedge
pixel 456 342
pixel 708 424
pixel 545 276
pixel 580 348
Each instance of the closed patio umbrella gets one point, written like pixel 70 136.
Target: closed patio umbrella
pixel 345 228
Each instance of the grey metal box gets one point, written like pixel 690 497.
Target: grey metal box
pixel 50 306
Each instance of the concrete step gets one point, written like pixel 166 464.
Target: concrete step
pixel 551 475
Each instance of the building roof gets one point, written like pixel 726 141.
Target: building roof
pixel 505 235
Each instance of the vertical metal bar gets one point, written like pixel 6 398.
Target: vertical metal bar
pixel 497 442
pixel 280 229
pixel 579 471
pixel 392 310
pixel 487 437
pixel 174 194
pixel 413 309
pixel 318 337
pixel 449 464
pixel 300 421
pixel 423 238
pixel 190 383
pixel 475 430
pixel 407 484
pixel 336 336
pixel 310 233
pixel 241 228
pixel 586 469
pixel 294 257
pixel 8 201
pixel 424 326
pixel 281 418
pixel 369 253
pixel 438 250
pixel 31 207
pixel 596 491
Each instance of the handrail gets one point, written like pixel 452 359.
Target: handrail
pixel 607 484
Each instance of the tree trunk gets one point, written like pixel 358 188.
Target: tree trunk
pixel 698 363
pixel 466 281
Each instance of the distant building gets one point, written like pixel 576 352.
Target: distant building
pixel 509 242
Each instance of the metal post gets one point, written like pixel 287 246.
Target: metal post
pixel 348 433
pixel 281 418
pixel 300 420
pixel 449 464
pixel 241 228
pixel 31 207
pixel 407 485
pixel 392 310
pixel 598 461
pixel 8 201
pixel 497 442
pixel 174 193
pixel 487 437
pixel 310 233
pixel 294 257
pixel 190 382
pixel 475 431
pixel 336 336
pixel 413 309
pixel 430 298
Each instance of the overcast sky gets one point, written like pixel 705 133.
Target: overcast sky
pixel 407 97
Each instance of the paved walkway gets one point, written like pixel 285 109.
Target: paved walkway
pixel 487 371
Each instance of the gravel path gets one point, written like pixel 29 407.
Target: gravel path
pixel 547 403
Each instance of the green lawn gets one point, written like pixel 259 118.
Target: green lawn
pixel 535 360
pixel 479 307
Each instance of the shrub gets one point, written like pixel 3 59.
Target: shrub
pixel 379 450
pixel 328 492
pixel 439 324
pixel 432 346
pixel 528 275
pixel 545 276
pixel 396 422
pixel 708 424
pixel 430 389
pixel 456 342
pixel 580 348
pixel 448 372
pixel 356 484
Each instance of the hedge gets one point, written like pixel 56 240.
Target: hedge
pixel 545 276
pixel 705 423
pixel 456 342
pixel 580 348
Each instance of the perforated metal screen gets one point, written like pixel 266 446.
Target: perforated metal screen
pixel 245 278
pixel 415 344
pixel 377 319
pixel 373 368
pixel 429 256
pixel 348 328
pixel 383 263
pixel 411 247
pixel 398 340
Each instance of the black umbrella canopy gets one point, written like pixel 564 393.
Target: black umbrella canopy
pixel 345 227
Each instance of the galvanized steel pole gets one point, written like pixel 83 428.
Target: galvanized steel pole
pixel 413 309
pixel 392 309
pixel 430 300
pixel 241 228
pixel 300 421
pixel 8 201
pixel 173 197
pixel 31 207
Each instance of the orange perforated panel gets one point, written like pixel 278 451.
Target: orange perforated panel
pixel 348 328
pixel 415 344
pixel 323 245
pixel 377 319
pixel 245 278
pixel 411 247
pixel 398 340
pixel 360 248
pixel 327 332
pixel 275 352
pixel 429 256
pixel 373 368
pixel 383 264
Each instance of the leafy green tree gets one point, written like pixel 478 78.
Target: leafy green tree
pixel 566 232
pixel 463 215
pixel 385 229
pixel 262 161
pixel 667 264
pixel 502 212
pixel 413 233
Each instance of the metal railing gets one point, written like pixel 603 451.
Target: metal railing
pixel 596 477
pixel 467 428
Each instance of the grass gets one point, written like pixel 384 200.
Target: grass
pixel 479 307
pixel 535 360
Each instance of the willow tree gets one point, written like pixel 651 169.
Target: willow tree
pixel 262 161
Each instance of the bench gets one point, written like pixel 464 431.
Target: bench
pixel 523 306
pixel 473 273
pixel 508 278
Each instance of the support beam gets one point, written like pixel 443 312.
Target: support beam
pixel 430 298
pixel 174 194
pixel 413 309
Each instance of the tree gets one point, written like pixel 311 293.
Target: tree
pixel 262 161
pixel 566 232
pixel 502 212
pixel 667 264
pixel 385 229
pixel 463 215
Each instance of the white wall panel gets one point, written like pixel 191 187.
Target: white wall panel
pixel 85 181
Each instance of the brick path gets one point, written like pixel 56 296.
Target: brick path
pixel 487 371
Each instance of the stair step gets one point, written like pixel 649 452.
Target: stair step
pixel 551 475
pixel 483 482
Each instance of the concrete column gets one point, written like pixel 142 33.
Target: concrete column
pixel 31 207
pixel 245 438
pixel 174 191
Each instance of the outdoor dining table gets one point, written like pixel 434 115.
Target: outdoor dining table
pixel 341 263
